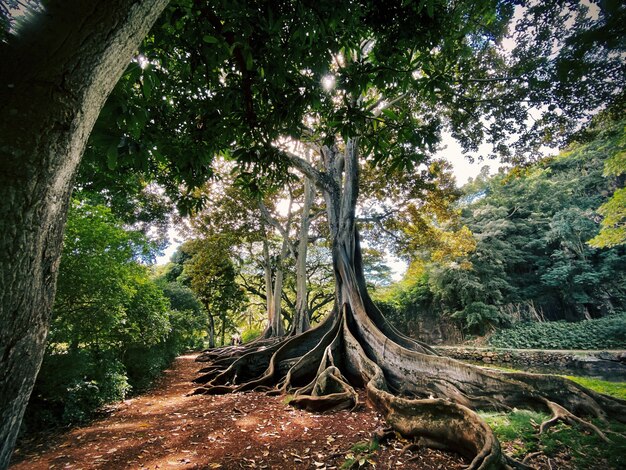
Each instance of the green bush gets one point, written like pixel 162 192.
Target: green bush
pixel 250 334
pixel 478 318
pixel 604 333
pixel 71 386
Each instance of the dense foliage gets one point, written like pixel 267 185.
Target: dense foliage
pixel 602 333
pixel 532 259
pixel 114 329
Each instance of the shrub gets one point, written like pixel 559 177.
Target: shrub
pixel 479 318
pixel 71 386
pixel 604 333
pixel 250 334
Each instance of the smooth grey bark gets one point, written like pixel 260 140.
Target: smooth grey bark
pixel 274 284
pixel 269 294
pixel 55 77
pixel 302 318
pixel 278 326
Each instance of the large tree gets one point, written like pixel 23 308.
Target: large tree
pixel 58 69
pixel 246 75
pixel 413 68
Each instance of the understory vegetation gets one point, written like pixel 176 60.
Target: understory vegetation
pixel 115 327
pixel 567 446
pixel 602 333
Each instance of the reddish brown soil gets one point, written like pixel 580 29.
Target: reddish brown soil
pixel 167 429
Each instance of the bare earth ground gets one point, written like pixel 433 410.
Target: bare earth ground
pixel 166 429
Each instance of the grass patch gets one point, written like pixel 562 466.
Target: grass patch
pixel 572 446
pixel 517 430
pixel 614 389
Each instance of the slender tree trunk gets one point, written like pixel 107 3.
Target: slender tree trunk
pixel 278 327
pixel 301 321
pixel 223 328
pixel 211 331
pixel 269 294
pixel 55 76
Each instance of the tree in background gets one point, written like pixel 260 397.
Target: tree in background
pixel 531 259
pixel 613 211
pixel 208 270
pixel 421 62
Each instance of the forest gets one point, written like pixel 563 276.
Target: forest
pixel 290 152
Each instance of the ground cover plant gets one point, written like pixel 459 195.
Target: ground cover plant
pixel 602 333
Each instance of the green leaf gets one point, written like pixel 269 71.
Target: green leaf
pixel 249 60
pixel 147 86
pixel 209 39
pixel 112 156
pixel 390 114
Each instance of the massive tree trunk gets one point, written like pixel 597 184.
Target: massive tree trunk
pixel 56 74
pixel 423 396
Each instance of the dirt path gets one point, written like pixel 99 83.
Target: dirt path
pixel 166 429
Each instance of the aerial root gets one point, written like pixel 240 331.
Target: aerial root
pixel 561 414
pixel 233 352
pixel 214 390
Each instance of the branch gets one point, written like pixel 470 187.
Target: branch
pixel 319 178
pixel 387 104
pixel 378 220
pixel 274 223
pixel 494 79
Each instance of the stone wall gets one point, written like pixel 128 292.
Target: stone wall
pixel 598 363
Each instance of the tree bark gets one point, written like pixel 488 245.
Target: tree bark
pixel 269 293
pixel 211 331
pixel 56 75
pixel 277 326
pixel 223 332
pixel 302 318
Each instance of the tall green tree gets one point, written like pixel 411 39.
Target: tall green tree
pixel 408 69
pixel 531 258
pixel 104 297
pixel 112 328
pixel 212 276
pixel 401 69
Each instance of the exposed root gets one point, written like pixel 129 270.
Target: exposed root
pixel 510 462
pixel 561 414
pixel 426 397
pixel 531 456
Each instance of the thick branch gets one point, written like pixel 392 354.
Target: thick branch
pixel 319 178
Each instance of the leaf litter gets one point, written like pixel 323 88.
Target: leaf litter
pixel 165 429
